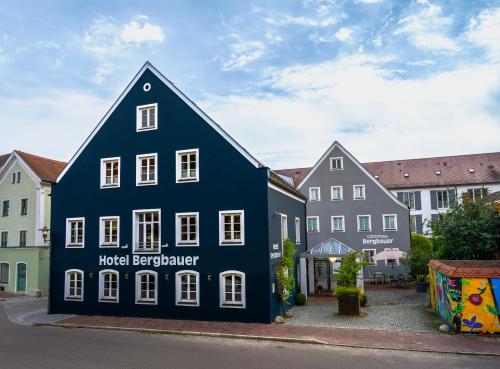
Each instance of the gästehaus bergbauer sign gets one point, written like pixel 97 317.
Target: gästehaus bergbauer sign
pixel 377 239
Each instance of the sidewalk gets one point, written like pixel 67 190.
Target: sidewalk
pixel 365 338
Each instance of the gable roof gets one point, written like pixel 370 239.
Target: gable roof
pixel 276 179
pixel 43 169
pixel 180 94
pixel 3 159
pixel 296 175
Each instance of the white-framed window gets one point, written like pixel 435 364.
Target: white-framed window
pixel 4 238
pixel 391 262
pixel 187 165
pixel 24 206
pixel 5 208
pixel 73 290
pixel 110 172
pixel 337 163
pixel 187 229
pixel 313 224
pixel 284 229
pixel 409 199
pixel 338 223
pixel 413 223
pixel 314 194
pixel 368 255
pixel 187 288
pixel 232 289
pixel 390 222
pixel 297 231
pixel 4 272
pixel 476 194
pixel 231 227
pixel 337 193
pixel 146 231
pixel 364 223
pixel 146 287
pixel 109 286
pixel 16 177
pixel 147 170
pixel 359 192
pixel 22 237
pixel 443 199
pixel 147 117
pixel 109 231
pixel 75 232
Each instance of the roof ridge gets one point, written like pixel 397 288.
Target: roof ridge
pixel 40 157
pixel 434 157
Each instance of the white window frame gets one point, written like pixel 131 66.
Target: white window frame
pixel 102 298
pixel 104 161
pixel 67 296
pixel 139 117
pixel 135 231
pixel 69 245
pixel 223 242
pixel 369 222
pixel 447 199
pixel 102 230
pixel 178 288
pixel 297 231
pixel 178 171
pixel 138 299
pixel 343 223
pixel 222 290
pixel 319 194
pixel 7 238
pixel 283 230
pixel 374 263
pixel 138 166
pixel 413 222
pixel 307 223
pixel 25 237
pixel 178 241
pixel 341 163
pixel 8 274
pixel 395 222
pixel 409 194
pixel 27 206
pixel 354 192
pixel 341 193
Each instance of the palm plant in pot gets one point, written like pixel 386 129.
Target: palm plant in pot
pixel 417 260
pixel 347 294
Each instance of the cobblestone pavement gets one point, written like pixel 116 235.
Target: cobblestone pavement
pixel 27 310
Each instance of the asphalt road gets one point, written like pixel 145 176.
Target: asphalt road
pixel 27 347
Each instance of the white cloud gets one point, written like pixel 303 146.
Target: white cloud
pixel 343 34
pixel 484 30
pixel 244 53
pixel 301 21
pixel 135 32
pixel 369 1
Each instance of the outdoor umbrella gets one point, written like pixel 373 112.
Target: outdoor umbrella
pixel 390 254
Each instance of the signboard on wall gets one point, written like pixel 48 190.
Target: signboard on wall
pixel 378 239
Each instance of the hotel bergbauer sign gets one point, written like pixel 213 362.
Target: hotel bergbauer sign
pixel 149 260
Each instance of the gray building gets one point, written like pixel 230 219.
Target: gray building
pixel 346 203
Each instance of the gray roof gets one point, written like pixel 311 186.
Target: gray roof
pixel 330 247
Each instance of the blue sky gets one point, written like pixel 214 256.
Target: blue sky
pixel 388 79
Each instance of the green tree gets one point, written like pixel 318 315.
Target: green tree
pixel 419 255
pixel 285 273
pixel 349 269
pixel 469 231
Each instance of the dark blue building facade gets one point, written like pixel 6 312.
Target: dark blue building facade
pixel 161 213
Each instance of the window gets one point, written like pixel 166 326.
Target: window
pixel 187 229
pixel 13 178
pixel 187 288
pixel 22 238
pixel 337 193
pixel 284 229
pixel 4 273
pixel 16 177
pixel 110 172
pixel 232 227
pixel 187 166
pixel 75 232
pixel 477 193
pixel 409 199
pixel 146 287
pixel 4 238
pixel 413 223
pixel 108 286
pixel 338 224
pixel 368 255
pixel 146 231
pixel 232 289
pixel 390 222
pixel 364 223
pixel 109 231
pixel 147 117
pixel 297 231
pixel 314 194
pixel 443 200
pixel 337 163
pixel 73 290
pixel 147 169
pixel 313 224
pixel 5 208
pixel 359 192
pixel 24 206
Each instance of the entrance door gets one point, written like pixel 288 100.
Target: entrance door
pixel 322 275
pixel 21 278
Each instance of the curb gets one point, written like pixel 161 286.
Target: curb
pixel 309 341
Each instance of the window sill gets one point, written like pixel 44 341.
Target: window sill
pixel 141 302
pixel 74 246
pixel 187 180
pixel 110 186
pixel 152 183
pixel 231 244
pixel 147 129
pixel 74 299
pixel 361 198
pixel 187 244
pixel 193 304
pixel 390 230
pixel 233 306
pixel 108 246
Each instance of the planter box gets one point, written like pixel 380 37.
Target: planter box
pixel 421 287
pixel 349 305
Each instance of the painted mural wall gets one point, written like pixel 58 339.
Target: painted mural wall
pixel 468 305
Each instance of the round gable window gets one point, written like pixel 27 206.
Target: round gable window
pixel 146 87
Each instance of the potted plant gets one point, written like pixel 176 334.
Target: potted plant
pixel 349 300
pixel 347 293
pixel 417 260
pixel 421 284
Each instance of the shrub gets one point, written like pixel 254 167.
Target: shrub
pixel 347 291
pixel 419 256
pixel 349 269
pixel 300 299
pixel 363 299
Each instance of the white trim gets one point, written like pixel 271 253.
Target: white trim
pixel 343 223
pixel 19 237
pixel 102 245
pixel 178 290
pixel 319 194
pixel 357 163
pixel 101 286
pixel 369 222
pixel 341 193
pixel 307 223
pixel 138 181
pixel 284 192
pixel 192 105
pixel 17 277
pixel 103 184
pixel 341 163
pixel 283 231
pixel 68 233
pixel 138 117
pixel 21 206
pixel 354 192
pixel 134 212
pixel 395 222
pixel 297 231
pixel 66 285
pixel 10 162
pixel 138 300
pixel 375 252
pixel 221 228
pixel 222 297
pixel 8 275
pixel 178 178
pixel 178 241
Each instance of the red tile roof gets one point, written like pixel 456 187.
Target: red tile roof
pixel 47 169
pixel 3 159
pixel 296 174
pixel 467 268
